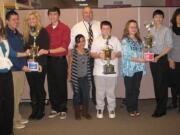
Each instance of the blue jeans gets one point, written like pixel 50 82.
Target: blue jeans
pixel 81 97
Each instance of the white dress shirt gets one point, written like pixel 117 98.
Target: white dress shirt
pixel 83 28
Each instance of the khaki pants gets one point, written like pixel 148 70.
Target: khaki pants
pixel 19 84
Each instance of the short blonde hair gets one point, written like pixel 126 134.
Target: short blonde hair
pixel 26 29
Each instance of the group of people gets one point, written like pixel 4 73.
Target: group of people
pixel 78 55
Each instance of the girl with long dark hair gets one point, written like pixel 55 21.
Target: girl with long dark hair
pixel 174 59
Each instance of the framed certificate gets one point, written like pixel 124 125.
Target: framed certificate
pixel 33 66
pixel 148 56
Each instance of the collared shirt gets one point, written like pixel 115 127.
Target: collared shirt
pixel 162 38
pixel 16 42
pixel 131 49
pixel 99 44
pixel 174 53
pixel 83 28
pixel 59 37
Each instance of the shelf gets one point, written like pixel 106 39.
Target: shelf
pixel 11 5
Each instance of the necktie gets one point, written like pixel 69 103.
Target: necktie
pixel 90 33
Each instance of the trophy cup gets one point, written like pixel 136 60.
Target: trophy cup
pixel 148 43
pixel 108 68
pixel 33 54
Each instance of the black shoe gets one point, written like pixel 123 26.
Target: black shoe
pixel 157 115
pixel 179 110
pixel 32 116
pixel 94 101
pixel 34 111
pixel 169 107
pixel 124 101
pixel 39 116
pixel 41 111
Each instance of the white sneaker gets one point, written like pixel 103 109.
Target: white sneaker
pixel 112 114
pixel 99 114
pixel 63 115
pixel 24 121
pixel 19 126
pixel 53 114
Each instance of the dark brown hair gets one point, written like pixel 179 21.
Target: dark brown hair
pixel 107 23
pixel 126 31
pixel 2 29
pixel 175 28
pixel 54 9
pixel 78 39
pixel 158 12
pixel 10 13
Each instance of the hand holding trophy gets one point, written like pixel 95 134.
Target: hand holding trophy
pixel 148 43
pixel 108 68
pixel 33 65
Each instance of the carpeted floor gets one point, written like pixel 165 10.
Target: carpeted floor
pixel 121 125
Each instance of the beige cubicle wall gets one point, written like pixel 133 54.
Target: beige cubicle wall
pixel 118 17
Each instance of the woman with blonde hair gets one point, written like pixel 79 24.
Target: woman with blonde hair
pixel 36 79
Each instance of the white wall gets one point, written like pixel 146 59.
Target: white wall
pixel 7 0
pixel 101 3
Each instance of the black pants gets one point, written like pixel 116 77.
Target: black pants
pixel 57 83
pixel 132 86
pixel 175 97
pixel 159 72
pixel 6 103
pixel 175 84
pixel 93 82
pixel 37 91
pixel 81 96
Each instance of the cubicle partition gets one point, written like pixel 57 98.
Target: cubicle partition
pixel 118 17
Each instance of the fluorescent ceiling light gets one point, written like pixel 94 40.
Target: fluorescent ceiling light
pixel 80 0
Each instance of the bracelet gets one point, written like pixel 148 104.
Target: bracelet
pixel 49 51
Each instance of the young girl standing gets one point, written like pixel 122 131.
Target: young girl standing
pixel 80 75
pixel 132 66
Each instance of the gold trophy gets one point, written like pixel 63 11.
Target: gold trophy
pixel 148 42
pixel 108 67
pixel 33 65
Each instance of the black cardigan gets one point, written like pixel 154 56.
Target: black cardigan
pixel 42 41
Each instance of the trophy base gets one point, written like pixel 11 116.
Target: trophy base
pixel 33 66
pixel 149 56
pixel 108 69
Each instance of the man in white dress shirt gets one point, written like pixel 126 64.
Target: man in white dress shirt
pixel 90 29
